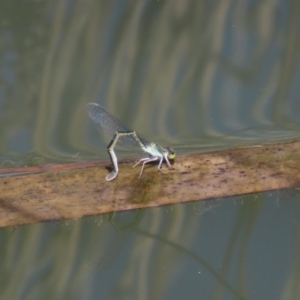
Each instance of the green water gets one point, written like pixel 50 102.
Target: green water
pixel 194 75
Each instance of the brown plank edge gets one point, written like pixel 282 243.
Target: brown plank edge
pixel 56 192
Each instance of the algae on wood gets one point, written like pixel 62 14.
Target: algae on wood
pixel 73 191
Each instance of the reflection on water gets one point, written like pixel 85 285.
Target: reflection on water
pixel 188 74
pixel 238 248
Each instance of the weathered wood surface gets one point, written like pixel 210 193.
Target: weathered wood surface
pixel 47 193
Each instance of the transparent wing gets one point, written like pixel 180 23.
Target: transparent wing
pixel 108 123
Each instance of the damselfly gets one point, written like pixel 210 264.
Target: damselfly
pixel 115 129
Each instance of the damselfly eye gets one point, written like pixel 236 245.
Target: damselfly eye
pixel 171 153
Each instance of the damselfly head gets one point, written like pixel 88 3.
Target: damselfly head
pixel 171 153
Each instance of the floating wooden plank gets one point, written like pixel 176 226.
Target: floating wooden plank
pixel 45 193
